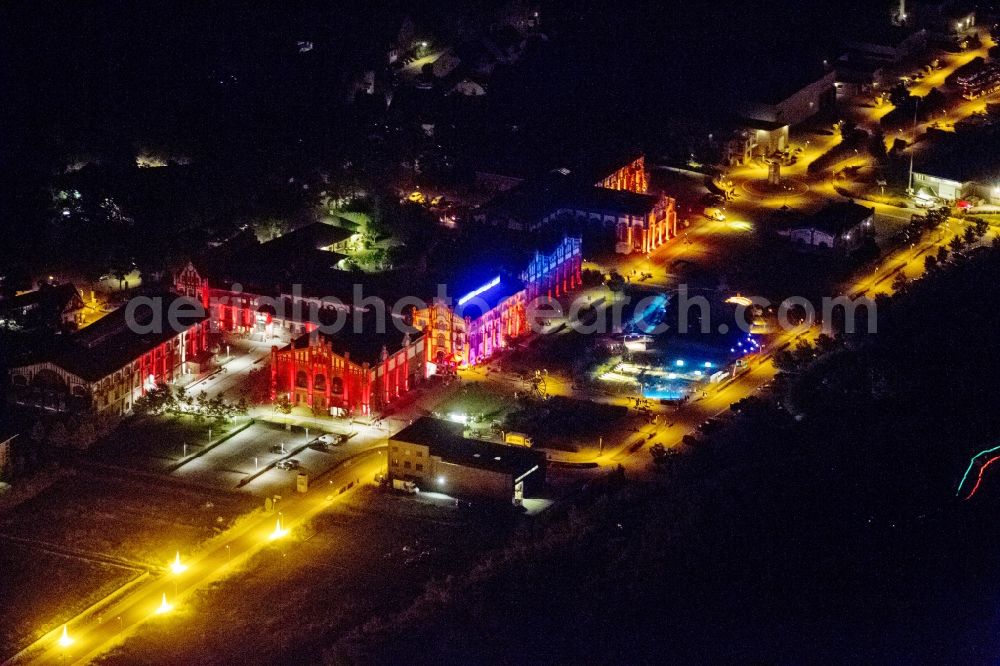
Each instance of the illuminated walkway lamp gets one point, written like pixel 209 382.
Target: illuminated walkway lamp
pixel 177 566
pixel 164 607
pixel 278 531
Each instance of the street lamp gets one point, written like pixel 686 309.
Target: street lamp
pixel 279 531
pixel 65 640
pixel 177 566
pixel 164 607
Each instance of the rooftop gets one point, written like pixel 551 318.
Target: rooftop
pixel 491 293
pixel 612 201
pixel 119 338
pixel 882 33
pixel 840 216
pixel 444 439
pixel 534 198
pixel 466 261
pixel 766 125
pixel 596 168
pixel 57 296
pixel 315 236
pixel 361 338
pixel 963 157
pixel 776 80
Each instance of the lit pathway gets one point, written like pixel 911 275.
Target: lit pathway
pixel 92 633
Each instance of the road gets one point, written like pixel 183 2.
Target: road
pixel 246 355
pixel 93 633
pixel 680 421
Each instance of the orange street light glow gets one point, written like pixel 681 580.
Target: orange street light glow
pixel 278 531
pixel 164 606
pixel 65 640
pixel 176 566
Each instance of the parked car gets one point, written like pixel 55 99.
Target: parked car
pixel 690 440
pixel 288 464
pixel 715 214
pixel 709 426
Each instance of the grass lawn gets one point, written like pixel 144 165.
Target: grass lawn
pixel 474 398
pixel 567 423
pixel 155 442
pixel 41 590
pixel 135 520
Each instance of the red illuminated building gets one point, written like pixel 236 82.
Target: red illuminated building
pixel 111 363
pixel 348 373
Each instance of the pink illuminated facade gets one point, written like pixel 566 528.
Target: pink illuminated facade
pixel 455 336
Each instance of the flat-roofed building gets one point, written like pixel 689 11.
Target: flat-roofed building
pixel 434 454
pixel 960 165
pixel 840 225
pixel 888 43
pixel 787 93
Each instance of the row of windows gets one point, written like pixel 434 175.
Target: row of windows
pixel 419 467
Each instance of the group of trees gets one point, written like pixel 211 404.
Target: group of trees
pixel 972 234
pixel 167 399
pixel 79 432
pixel 852 140
pixel 909 108
pixel 662 456
pixel 268 228
pixel 256 386
pixel 796 358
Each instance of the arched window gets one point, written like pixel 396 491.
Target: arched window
pixel 19 380
pixel 337 385
pixel 301 379
pixel 319 383
pixel 49 379
pixel 79 391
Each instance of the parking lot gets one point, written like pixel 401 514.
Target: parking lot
pixel 248 460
